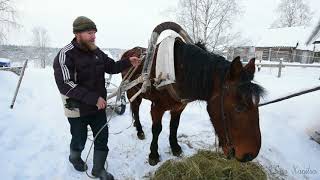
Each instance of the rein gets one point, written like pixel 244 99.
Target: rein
pixel 291 96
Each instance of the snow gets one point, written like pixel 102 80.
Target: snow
pixel 285 125
pixel 285 37
pixel 314 36
pixel 286 64
pixel 5 60
pixel 108 53
pixel 35 136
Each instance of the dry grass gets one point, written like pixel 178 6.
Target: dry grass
pixel 208 165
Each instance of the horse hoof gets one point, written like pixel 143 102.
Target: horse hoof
pixel 153 161
pixel 141 136
pixel 177 152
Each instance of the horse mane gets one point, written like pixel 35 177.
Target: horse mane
pixel 247 88
pixel 199 68
pixel 202 45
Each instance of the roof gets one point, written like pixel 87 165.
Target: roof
pixel 5 60
pixel 285 37
pixel 314 35
pixel 316 41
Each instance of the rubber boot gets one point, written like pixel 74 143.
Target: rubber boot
pixel 98 170
pixel 76 161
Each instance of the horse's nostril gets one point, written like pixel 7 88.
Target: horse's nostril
pixel 247 157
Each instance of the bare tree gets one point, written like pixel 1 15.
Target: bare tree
pixel 7 18
pixel 209 21
pixel 41 42
pixel 292 13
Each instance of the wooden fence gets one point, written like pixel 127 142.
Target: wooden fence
pixel 282 65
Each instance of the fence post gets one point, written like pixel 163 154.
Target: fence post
pixel 269 56
pixel 259 66
pixel 280 68
pixel 19 82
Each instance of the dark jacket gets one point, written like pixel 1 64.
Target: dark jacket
pixel 79 75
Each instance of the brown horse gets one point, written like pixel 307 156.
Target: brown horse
pixel 232 99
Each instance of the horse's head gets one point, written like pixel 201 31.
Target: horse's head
pixel 134 52
pixel 234 109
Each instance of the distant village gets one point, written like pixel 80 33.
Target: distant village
pixel 17 54
pixel 289 44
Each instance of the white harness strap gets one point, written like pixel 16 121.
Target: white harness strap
pixel 165 73
pixel 69 113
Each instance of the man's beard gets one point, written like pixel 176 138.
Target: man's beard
pixel 87 45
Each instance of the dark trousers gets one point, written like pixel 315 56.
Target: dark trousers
pixel 78 129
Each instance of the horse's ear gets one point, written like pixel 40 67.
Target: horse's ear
pixel 235 68
pixel 250 68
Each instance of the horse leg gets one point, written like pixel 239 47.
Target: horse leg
pixel 174 124
pixel 156 114
pixel 135 106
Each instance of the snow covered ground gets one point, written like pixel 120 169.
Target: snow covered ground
pixel 34 136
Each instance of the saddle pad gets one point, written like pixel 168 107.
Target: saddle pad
pixel 165 73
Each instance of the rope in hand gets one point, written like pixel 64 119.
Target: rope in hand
pixel 94 138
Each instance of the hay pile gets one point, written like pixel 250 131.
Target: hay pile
pixel 209 165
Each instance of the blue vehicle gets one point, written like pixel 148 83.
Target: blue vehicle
pixel 5 62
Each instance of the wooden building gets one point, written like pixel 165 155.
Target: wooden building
pixel 288 44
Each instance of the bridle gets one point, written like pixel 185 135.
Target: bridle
pixel 229 144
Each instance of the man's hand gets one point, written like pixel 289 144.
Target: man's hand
pixel 101 104
pixel 135 61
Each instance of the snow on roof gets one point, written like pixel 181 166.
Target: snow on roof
pixel 314 34
pixel 285 37
pixel 318 39
pixel 5 60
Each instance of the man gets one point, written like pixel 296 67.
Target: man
pixel 79 70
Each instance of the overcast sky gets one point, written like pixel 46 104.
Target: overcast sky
pixel 124 23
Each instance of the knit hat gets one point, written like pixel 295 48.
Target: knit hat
pixel 83 23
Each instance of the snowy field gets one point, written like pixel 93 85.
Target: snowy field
pixel 34 136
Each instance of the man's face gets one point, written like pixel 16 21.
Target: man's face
pixel 87 38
